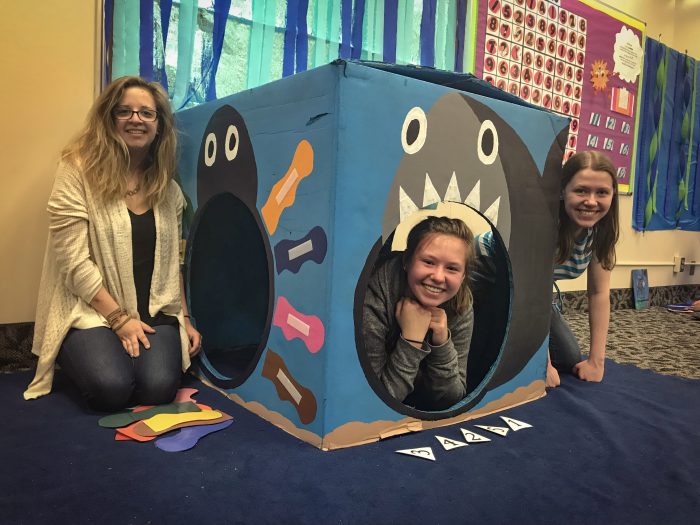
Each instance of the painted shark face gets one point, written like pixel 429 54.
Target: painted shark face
pixel 226 159
pixel 230 291
pixel 449 159
pixel 462 151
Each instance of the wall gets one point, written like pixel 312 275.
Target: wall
pixel 49 49
pixel 52 49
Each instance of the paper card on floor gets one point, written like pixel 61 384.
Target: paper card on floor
pixel 514 424
pixel 473 437
pixel 501 431
pixel 449 444
pixel 420 452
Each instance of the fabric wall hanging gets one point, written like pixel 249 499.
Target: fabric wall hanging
pixel 666 195
pixel 203 49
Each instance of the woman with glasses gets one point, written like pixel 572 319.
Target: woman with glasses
pixel 111 308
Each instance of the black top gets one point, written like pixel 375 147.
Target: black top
pixel 143 245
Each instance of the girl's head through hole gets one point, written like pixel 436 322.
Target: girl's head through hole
pixel 438 253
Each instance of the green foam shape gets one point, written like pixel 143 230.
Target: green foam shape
pixel 127 418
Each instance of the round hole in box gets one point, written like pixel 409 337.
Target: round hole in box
pixel 230 288
pixel 490 283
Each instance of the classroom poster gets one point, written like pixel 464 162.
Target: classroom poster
pixel 580 59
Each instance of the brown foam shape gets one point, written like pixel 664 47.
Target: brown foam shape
pixel 303 399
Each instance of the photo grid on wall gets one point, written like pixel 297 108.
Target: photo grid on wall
pixel 572 59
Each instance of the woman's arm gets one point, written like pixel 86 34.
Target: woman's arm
pixel 396 368
pixel 192 334
pixel 593 368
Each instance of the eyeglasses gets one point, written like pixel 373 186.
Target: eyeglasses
pixel 145 115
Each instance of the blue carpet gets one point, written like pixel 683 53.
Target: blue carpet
pixel 623 451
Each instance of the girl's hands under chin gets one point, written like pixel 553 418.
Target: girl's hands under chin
pixel 414 320
pixel 438 324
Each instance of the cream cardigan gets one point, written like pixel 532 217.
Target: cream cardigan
pixel 89 247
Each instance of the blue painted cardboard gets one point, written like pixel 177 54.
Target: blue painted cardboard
pixel 295 186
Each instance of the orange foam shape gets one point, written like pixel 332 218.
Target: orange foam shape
pixel 284 192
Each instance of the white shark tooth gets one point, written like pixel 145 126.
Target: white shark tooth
pixel 452 193
pixel 474 197
pixel 492 212
pixel 430 194
pixel 406 205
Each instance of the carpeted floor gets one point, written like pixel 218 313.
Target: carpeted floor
pixel 656 339
pixel 623 451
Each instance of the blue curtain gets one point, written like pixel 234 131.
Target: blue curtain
pixel 666 194
pixel 200 50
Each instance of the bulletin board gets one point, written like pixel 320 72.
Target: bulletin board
pixel 580 59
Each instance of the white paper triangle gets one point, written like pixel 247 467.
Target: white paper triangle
pixel 420 452
pixel 492 213
pixel 473 437
pixel 406 205
pixel 430 194
pixel 449 444
pixel 474 197
pixel 452 193
pixel 514 424
pixel 501 431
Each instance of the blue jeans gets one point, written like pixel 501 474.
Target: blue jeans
pixel 564 350
pixel 109 379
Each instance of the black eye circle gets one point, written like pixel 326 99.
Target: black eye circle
pixel 414 131
pixel 487 143
pixel 231 143
pixel 210 150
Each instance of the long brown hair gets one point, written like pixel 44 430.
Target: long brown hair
pixel 103 157
pixel 446 226
pixel 607 230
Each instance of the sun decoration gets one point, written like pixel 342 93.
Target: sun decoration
pixel 599 75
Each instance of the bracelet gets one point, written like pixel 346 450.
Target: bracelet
pixel 115 315
pixel 412 340
pixel 127 318
pixel 186 315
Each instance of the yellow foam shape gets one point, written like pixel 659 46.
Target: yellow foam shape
pixel 161 422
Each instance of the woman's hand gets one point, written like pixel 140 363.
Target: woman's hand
pixel 133 332
pixel 552 380
pixel 413 319
pixel 590 370
pixel 438 324
pixel 194 336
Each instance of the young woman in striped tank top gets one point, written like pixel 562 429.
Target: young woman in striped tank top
pixel 588 232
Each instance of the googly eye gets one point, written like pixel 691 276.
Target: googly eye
pixel 231 144
pixel 414 131
pixel 487 143
pixel 210 150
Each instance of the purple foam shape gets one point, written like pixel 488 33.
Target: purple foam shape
pixel 290 255
pixel 189 436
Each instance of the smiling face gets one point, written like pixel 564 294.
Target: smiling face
pixel 436 269
pixel 588 197
pixel 137 135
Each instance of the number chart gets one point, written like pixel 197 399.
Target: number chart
pixel 581 60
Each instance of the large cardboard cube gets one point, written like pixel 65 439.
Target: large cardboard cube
pixel 295 188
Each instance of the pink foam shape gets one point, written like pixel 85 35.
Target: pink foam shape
pixel 316 333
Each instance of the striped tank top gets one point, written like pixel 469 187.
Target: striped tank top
pixel 580 258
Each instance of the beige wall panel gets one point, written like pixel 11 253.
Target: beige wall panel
pixel 48 69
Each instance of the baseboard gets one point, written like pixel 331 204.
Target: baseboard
pixel 622 298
